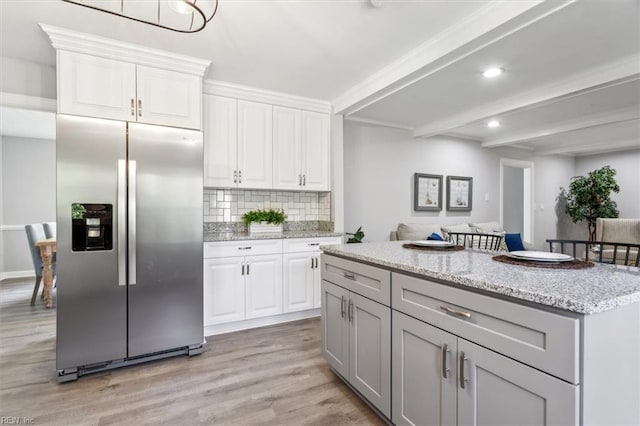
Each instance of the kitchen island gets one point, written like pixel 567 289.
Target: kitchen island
pixel 457 338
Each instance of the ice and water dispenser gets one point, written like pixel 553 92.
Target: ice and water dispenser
pixel 91 227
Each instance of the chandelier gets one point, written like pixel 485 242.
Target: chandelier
pixel 183 16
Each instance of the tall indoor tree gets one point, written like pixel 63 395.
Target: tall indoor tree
pixel 589 197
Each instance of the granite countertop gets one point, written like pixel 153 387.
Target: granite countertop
pixel 238 236
pixel 586 291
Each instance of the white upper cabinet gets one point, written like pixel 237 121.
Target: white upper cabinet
pixel 255 146
pixel 107 88
pixel 287 148
pixel 300 149
pixel 316 136
pixel 220 141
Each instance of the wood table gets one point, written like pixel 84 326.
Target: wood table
pixel 47 249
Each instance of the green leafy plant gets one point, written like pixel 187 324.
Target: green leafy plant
pixel 77 211
pixel 356 236
pixel 269 216
pixel 589 197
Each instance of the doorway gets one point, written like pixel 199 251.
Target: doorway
pixel 516 197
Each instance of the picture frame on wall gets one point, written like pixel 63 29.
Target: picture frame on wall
pixel 459 193
pixel 427 192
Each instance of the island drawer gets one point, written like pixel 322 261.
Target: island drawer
pixel 242 248
pixel 368 281
pixel 544 340
pixel 293 245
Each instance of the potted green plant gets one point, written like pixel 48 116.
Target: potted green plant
pixel 264 220
pixel 589 197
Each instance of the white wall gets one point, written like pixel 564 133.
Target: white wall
pixel 378 180
pixel 627 166
pixel 28 196
pixel 27 78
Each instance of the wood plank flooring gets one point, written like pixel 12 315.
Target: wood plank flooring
pixel 268 376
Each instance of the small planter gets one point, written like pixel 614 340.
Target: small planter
pixel 264 228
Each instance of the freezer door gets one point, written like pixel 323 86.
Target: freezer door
pixel 91 291
pixel 165 238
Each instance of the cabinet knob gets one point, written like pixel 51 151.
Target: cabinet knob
pixel 139 107
pixel 133 107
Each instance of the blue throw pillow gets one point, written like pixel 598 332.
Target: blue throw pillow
pixel 435 236
pixel 514 242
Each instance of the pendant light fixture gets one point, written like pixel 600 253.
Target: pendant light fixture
pixel 183 16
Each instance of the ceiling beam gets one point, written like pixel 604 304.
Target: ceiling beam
pixel 378 122
pixel 488 25
pixel 593 148
pixel 596 120
pixel 622 71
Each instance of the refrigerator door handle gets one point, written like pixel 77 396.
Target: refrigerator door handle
pixel 132 222
pixel 122 222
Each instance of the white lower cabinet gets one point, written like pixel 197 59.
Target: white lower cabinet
pixel 263 285
pixel 356 341
pixel 223 290
pixel 440 379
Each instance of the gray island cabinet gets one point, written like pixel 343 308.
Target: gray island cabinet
pixel 457 338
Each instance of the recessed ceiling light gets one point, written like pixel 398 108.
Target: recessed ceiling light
pixel 493 123
pixel 492 72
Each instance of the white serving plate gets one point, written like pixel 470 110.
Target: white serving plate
pixel 432 243
pixel 540 256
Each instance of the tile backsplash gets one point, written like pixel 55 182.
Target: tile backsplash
pixel 228 205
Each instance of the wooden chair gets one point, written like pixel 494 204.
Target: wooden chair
pixel 600 251
pixel 474 240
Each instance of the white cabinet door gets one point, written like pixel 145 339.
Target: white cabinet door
pixel 255 147
pixel 423 372
pixel 220 141
pixel 169 98
pixel 96 87
pixel 335 327
pixel 263 284
pixel 500 391
pixel 370 351
pixel 287 148
pixel 299 273
pixel 316 135
pixel 223 290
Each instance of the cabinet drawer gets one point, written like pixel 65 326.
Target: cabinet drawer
pixel 368 281
pixel 544 340
pixel 242 248
pixel 292 245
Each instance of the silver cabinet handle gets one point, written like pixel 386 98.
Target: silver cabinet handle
pixel 445 370
pixel 139 107
pixel 312 262
pixel 235 176
pixel 316 263
pixel 350 311
pixel 313 244
pixel 299 180
pixel 132 222
pixel 463 379
pixel 133 107
pixel 304 180
pixel 247 268
pixel 243 268
pixel 122 221
pixel 245 248
pixel 239 176
pixel 342 310
pixel 349 275
pixel 454 312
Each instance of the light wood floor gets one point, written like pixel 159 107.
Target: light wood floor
pixel 273 375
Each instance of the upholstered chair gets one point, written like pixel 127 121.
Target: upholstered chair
pixel 49 229
pixel 35 232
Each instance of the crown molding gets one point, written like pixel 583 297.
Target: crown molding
pixel 90 44
pixel 231 90
pixel 16 100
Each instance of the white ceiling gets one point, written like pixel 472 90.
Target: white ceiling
pixel 572 67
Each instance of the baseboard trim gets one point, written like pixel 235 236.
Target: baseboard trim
pixel 212 330
pixel 16 274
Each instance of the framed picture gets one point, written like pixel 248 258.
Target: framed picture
pixel 459 193
pixel 427 192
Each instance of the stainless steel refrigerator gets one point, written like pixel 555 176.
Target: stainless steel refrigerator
pixel 129 244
